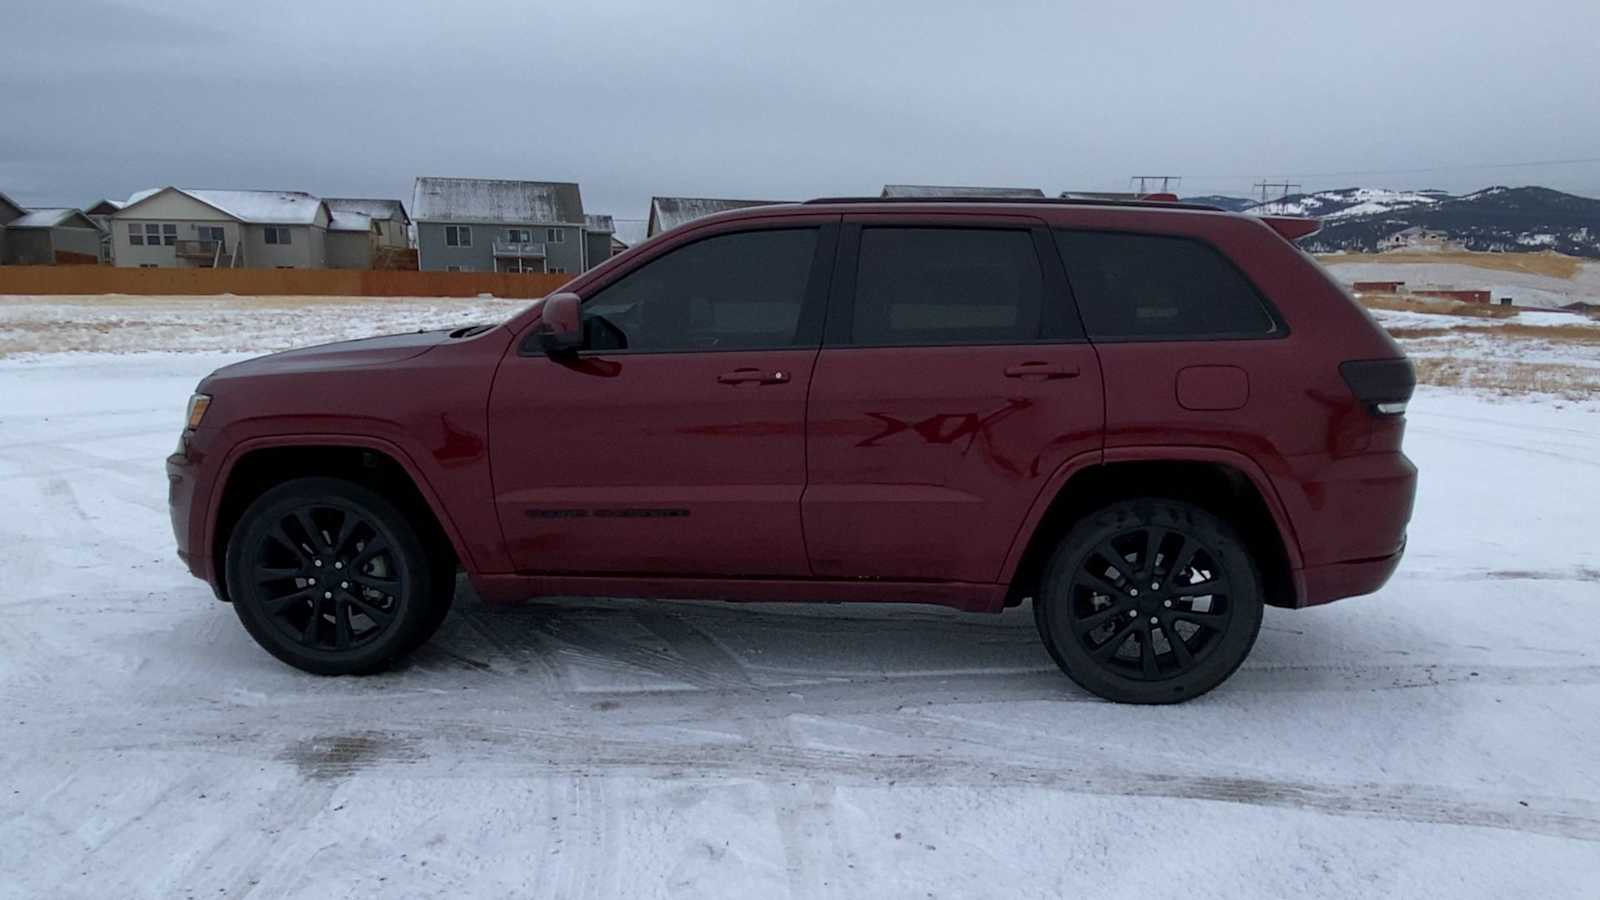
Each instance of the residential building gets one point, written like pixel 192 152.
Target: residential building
pixel 394 225
pixel 353 239
pixel 101 213
pixel 943 190
pixel 495 225
pixel 599 238
pixel 667 213
pixel 1417 238
pixel 186 228
pixel 45 237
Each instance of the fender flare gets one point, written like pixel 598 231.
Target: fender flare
pixel 1152 453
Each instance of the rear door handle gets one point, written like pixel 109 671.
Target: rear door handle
pixel 1041 371
pixel 753 376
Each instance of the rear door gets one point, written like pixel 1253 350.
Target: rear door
pixel 954 380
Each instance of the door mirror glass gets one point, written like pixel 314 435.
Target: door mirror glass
pixel 560 329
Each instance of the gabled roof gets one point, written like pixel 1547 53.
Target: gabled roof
pixel 105 208
pixel 496 200
pixel 373 208
pixel 15 207
pixel 254 207
pixel 341 220
pixel 599 224
pixel 937 190
pixel 57 217
pixel 667 213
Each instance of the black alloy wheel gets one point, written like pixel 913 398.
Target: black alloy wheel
pixel 1150 601
pixel 330 577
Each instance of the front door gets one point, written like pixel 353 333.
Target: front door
pixel 954 381
pixel 674 442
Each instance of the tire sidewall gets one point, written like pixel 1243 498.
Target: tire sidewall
pixel 413 605
pixel 1051 605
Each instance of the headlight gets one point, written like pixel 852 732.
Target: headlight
pixel 198 404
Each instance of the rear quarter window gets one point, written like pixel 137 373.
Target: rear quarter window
pixel 1159 287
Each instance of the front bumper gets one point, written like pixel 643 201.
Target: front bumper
pixel 188 518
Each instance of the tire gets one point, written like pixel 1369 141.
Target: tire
pixel 1109 608
pixel 333 579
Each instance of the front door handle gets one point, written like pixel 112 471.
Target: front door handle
pixel 752 375
pixel 1041 371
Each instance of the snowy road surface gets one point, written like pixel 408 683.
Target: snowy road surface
pixel 1441 738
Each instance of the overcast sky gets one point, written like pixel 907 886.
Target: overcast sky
pixel 788 100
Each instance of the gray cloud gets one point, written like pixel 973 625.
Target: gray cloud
pixel 789 99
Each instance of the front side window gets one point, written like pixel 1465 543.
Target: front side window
pixel 277 235
pixel 939 286
pixel 555 235
pixel 209 232
pixel 740 291
pixel 1157 287
pixel 457 236
pixel 519 235
pixel 136 235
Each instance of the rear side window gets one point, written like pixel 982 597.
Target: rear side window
pixel 1155 287
pixel 740 291
pixel 946 286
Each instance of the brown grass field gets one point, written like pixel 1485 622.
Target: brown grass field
pixel 1435 307
pixel 1551 264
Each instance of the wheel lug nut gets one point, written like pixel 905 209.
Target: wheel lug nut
pixel 345 584
pixel 1133 614
pixel 1133 592
pixel 338 565
pixel 327 595
pixel 1155 585
pixel 316 562
pixel 1154 620
pixel 1167 603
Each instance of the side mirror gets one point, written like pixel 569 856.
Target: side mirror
pixel 560 327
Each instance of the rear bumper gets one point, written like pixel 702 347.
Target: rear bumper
pixel 1335 581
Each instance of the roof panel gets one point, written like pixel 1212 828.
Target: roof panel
pixel 495 200
pixel 937 190
pixel 670 212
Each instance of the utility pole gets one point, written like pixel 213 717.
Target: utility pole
pixel 1169 183
pixel 1285 188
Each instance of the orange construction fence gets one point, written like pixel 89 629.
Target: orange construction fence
pixel 273 282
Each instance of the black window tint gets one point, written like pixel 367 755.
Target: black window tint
pixel 730 292
pixel 946 286
pixel 1131 286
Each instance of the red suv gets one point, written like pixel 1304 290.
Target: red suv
pixel 1149 418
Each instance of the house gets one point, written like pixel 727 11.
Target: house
pixel 45 237
pixel 394 225
pixel 1378 287
pixel 1417 238
pixel 667 213
pixel 186 228
pixel 600 239
pixel 101 213
pixel 494 225
pixel 940 190
pixel 353 239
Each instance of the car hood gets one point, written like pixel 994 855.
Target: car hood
pixel 373 351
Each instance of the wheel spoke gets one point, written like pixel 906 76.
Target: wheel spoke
pixel 1118 637
pixel 1110 554
pixel 1180 650
pixel 282 537
pixel 1147 653
pixel 1185 556
pixel 313 533
pixel 265 574
pixel 341 622
pixel 384 585
pixel 308 635
pixel 372 548
pixel 375 614
pixel 1095 620
pixel 277 605
pixel 346 529
pixel 1152 546
pixel 1097 583
pixel 1211 620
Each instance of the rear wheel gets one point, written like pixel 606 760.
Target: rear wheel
pixel 1150 601
pixel 330 577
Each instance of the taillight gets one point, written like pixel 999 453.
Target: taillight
pixel 1382 385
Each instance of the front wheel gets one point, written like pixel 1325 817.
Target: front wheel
pixel 330 577
pixel 1150 601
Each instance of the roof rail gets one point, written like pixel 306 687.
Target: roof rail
pixel 1029 201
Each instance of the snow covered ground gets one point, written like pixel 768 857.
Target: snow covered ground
pixel 1524 288
pixel 1436 739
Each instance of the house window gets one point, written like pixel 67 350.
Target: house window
pixel 148 266
pixel 519 235
pixel 557 270
pixel 458 268
pixel 458 236
pixel 555 235
pixel 277 234
pixel 136 235
pixel 153 234
pixel 209 233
